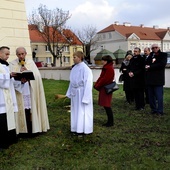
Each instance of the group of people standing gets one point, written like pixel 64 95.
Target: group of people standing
pixel 22 103
pixel 144 78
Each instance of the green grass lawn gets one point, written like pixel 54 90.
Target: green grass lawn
pixel 137 141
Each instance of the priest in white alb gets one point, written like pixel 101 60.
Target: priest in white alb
pixel 80 93
pixel 32 114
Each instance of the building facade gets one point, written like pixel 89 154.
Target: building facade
pixel 14 26
pixel 41 53
pixel 127 37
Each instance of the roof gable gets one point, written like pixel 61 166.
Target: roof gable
pixel 167 36
pixel 68 35
pixel 143 33
pixel 132 36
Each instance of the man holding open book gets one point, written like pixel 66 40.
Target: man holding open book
pixel 32 115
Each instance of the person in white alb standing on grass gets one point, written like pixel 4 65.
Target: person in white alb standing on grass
pixel 80 93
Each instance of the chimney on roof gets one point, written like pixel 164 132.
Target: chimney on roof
pixel 142 25
pixel 155 26
pixel 127 24
pixel 116 22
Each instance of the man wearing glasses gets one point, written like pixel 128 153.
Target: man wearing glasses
pixel 155 78
pixel 137 78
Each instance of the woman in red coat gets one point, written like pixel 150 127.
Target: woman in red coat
pixel 106 77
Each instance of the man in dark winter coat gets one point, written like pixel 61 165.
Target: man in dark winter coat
pixel 146 55
pixel 137 75
pixel 155 78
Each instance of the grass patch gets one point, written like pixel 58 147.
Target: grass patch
pixel 138 141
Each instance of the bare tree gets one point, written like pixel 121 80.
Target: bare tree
pixel 86 35
pixel 51 26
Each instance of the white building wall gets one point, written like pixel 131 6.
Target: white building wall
pixel 63 74
pixel 117 41
pixel 14 26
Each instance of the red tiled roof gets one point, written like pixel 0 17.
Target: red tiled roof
pixel 35 36
pixel 144 33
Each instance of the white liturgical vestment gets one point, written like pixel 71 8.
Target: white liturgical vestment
pixel 39 115
pixel 8 102
pixel 80 93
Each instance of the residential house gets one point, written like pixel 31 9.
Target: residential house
pixel 127 37
pixel 41 53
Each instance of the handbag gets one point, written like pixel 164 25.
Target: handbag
pixel 111 87
pixel 121 78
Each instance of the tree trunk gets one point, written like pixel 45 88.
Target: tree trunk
pixel 54 60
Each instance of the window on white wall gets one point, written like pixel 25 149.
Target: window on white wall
pixel 109 35
pixel 48 60
pixel 99 37
pixel 46 48
pixel 143 46
pixel 164 46
pixel 139 45
pixel 132 46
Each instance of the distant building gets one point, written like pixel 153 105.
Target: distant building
pixel 41 53
pixel 127 37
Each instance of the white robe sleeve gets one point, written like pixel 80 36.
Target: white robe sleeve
pixel 88 84
pixel 68 93
pixel 17 85
pixel 4 80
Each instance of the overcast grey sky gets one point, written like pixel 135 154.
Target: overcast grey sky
pixel 102 13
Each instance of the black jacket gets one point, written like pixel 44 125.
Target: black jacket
pixel 137 66
pixel 126 79
pixel 155 75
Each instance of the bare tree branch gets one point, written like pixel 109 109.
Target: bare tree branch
pixel 51 26
pixel 86 36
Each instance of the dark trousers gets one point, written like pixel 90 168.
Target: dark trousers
pixel 156 98
pixel 28 120
pixel 139 98
pixel 146 96
pixel 109 113
pixel 7 137
pixel 129 96
pixel 29 125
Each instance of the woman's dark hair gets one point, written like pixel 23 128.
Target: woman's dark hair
pixel 107 58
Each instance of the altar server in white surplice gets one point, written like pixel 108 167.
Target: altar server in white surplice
pixel 80 93
pixel 8 102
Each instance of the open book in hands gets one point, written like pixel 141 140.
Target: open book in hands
pixel 26 74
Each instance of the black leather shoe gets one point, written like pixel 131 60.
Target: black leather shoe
pixel 74 133
pixel 80 135
pixel 160 114
pixel 139 109
pixel 108 124
pixel 152 113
